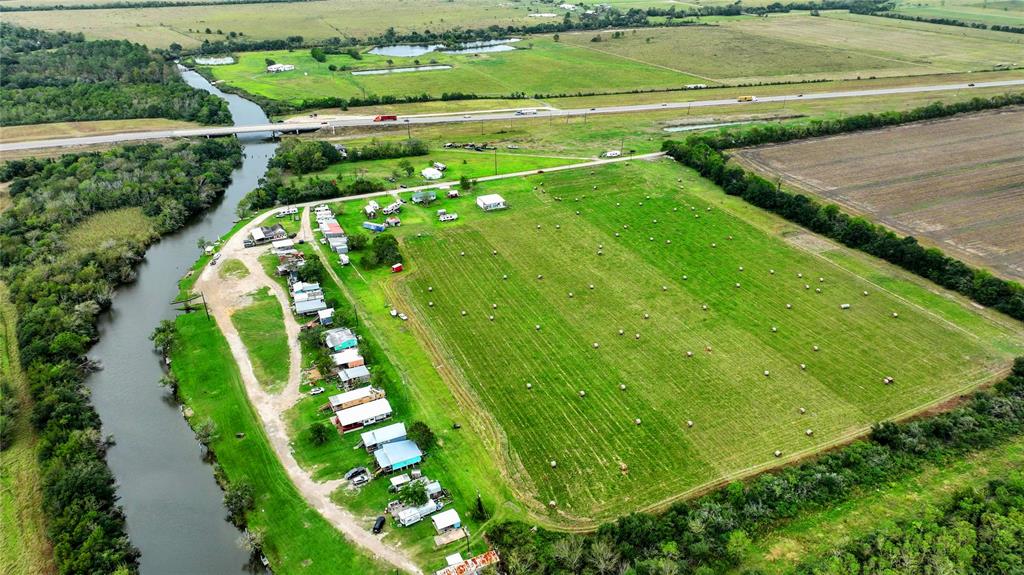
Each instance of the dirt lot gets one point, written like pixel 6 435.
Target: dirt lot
pixel 956 183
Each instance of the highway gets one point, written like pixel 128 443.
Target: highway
pixel 297 127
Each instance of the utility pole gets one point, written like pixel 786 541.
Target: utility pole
pixel 495 160
pixel 408 130
pixel 205 308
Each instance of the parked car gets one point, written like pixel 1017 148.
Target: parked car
pixel 378 525
pixel 403 317
pixel 316 391
pixel 355 471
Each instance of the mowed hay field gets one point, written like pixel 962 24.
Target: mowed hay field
pixel 958 182
pixel 606 463
pixel 798 46
pixel 547 68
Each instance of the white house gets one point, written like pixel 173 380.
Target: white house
pixel 491 202
pixel 446 521
pixel 362 415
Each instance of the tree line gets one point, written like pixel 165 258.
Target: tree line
pixel 301 156
pixel 54 77
pixel 274 190
pixel 703 152
pixel 712 533
pixel 978 531
pixel 59 290
pixel 953 22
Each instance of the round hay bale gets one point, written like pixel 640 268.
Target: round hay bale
pixel 799 275
pixel 689 354
pixel 803 366
pixel 616 234
pixel 637 336
pixel 595 187
pixel 693 208
pixel 789 306
pixel 685 278
pixel 570 294
pixel 809 432
pixel 538 226
pixel 504 276
pixel 664 288
pixel 640 203
pixel 625 226
pixel 689 423
pixel 651 238
pixel 865 293
pixel 558 226
pixel 737 284
pixel 622 332
pixel 529 386
pixel 668 241
pixel 577 212
pixel 741 268
pixel 766 373
pixel 654 221
pixel 591 286
pixel 540 276
pixel 430 303
pixel 777 454
pixel 637 421
pixel 554 464
pixel 771 272
pixel 537 327
pixel 817 290
pixel 679 179
pixel 552 504
pixel 600 253
pixel 419 235
pixel 490 317
pixel 463 312
pixel 462 253
pixel 617 204
pixel 774 329
pixel 430 288
pixel 704 307
pixel 647 316
pixel 709 208
pixel 622 386
pixel 494 252
pixel 894 314
pixel 583 393
pixel 600 246
pixel 696 216
pixel 802 411
pixel 596 345
pixel 675 209
pixel 807 286
pixel 714 245
pixel 815 348
pixel 821 280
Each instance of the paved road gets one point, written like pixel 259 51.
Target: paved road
pixel 295 127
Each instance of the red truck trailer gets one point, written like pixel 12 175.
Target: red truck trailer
pixel 384 118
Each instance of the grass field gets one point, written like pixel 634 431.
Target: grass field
pixel 936 348
pixel 998 12
pixel 820 532
pixel 118 225
pixel 546 68
pixel 95 128
pixel 232 268
pixel 261 327
pixel 24 547
pixel 956 182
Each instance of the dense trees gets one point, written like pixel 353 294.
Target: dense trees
pixel 59 289
pixel 48 77
pixel 383 251
pixel 304 156
pixel 705 535
pixel 702 152
pixel 274 191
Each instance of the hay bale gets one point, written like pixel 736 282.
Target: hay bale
pixel 675 209
pixel 583 393
pixel 463 312
pixel 654 221
pixel 815 348
pixel 807 286
pixel 622 332
pixel 689 423
pixel 419 235
pixel 741 268
pixel 570 294
pixel 664 288
pixel 462 253
pixel 554 464
pixel 799 275
pixel 737 284
pixel 537 327
pixel 895 315
pixel 637 336
pixel 648 197
pixel 430 288
pixel 865 293
pixel 600 246
pixel 714 245
pixel 558 226
pixel 766 373
pixel 617 204
pixel 616 234
pixel 651 238
pixel 668 241
pixel 430 303
pixel 540 276
pixel 844 306
pixel 494 252
pixel 809 432
pixel 596 345
pixel 647 316
pixel 552 504
pixel 577 212
pixel 821 280
pixel 538 226
pixel 817 290
pixel 595 187
pixel 689 354
pixel 685 278
pixel 709 208
pixel 625 226
pixel 802 411
pixel 490 317
pixel 622 386
pixel 771 272
pixel 637 421
pixel 696 216
pixel 504 276
pixel 600 253
pixel 803 366
pixel 777 454
pixel 774 329
pixel 789 306
pixel 704 307
pixel 640 203
pixel 591 286
pixel 529 386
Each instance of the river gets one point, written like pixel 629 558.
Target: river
pixel 174 508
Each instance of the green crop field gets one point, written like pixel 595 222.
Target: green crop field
pixel 606 463
pixel 547 68
pixel 999 12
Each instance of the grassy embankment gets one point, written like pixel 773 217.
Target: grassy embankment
pixel 24 547
pixel 95 128
pixel 736 435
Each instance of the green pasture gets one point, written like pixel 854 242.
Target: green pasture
pixel 260 325
pixel 547 67
pixel 740 416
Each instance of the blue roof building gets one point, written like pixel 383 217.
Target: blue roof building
pixel 398 455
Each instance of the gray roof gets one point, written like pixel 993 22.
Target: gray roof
pixel 309 306
pixel 353 373
pixel 338 336
pixel 384 434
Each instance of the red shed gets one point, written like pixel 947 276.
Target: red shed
pixel 396 268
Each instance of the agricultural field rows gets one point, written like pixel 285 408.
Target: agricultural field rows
pixel 956 182
pixel 605 462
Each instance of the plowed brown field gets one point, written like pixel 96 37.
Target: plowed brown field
pixel 956 183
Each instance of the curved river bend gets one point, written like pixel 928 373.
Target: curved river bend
pixel 175 509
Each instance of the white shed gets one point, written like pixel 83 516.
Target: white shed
pixel 446 520
pixel 431 173
pixel 491 202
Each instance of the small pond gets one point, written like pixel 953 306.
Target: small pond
pixel 414 50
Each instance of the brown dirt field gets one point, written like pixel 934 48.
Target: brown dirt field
pixel 956 183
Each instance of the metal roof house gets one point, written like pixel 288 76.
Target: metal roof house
pixel 354 376
pixel 491 202
pixel 446 521
pixel 340 338
pixel 425 196
pixel 350 399
pixel 377 438
pixel 348 358
pixel 362 415
pixel 398 455
pixel 310 307
pixel 304 287
pixel 326 316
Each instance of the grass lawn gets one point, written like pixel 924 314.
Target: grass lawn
pixel 24 548
pixel 460 163
pixel 547 68
pixel 261 327
pixel 818 533
pixel 297 538
pixel 232 268
pixel 740 416
pixel 119 224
